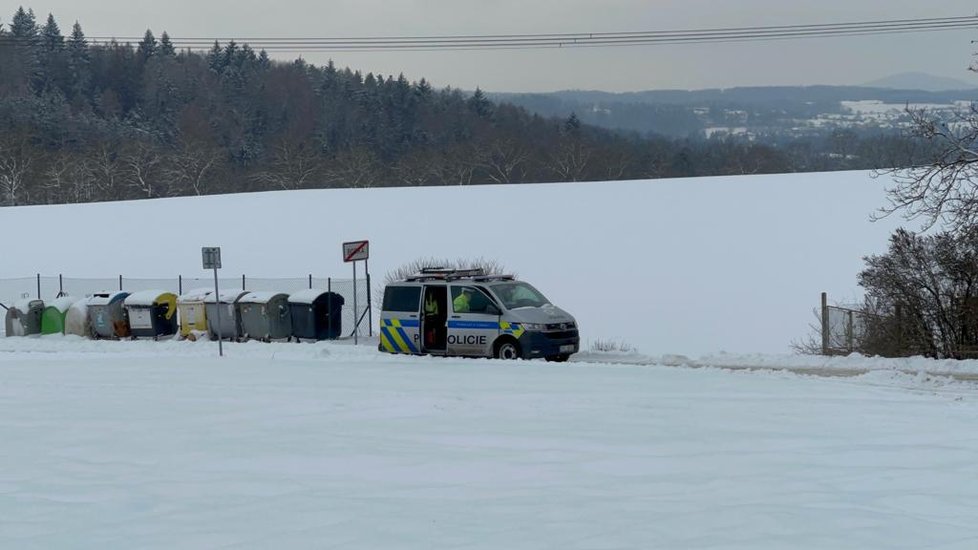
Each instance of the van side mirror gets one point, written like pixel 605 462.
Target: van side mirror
pixel 491 309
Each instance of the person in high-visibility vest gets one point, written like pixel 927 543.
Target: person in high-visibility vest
pixel 430 317
pixel 461 302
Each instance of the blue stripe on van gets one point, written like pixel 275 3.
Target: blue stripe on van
pixel 407 339
pixel 488 325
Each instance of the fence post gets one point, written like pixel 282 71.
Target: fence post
pixel 120 283
pixel 310 281
pixel 61 285
pixel 180 284
pixel 38 286
pixel 825 323
pixel 243 282
pixel 850 330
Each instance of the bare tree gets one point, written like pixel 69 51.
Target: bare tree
pixel 356 168
pixel 105 171
pixel 67 179
pixel 17 159
pixel 141 163
pixel 415 169
pixel 189 167
pixel 570 160
pixel 505 161
pixel 946 187
pixel 293 165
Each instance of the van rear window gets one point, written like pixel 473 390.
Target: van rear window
pixel 402 298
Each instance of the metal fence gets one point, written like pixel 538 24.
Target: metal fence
pixel 844 330
pixel 48 288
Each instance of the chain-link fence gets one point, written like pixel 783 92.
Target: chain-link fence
pixel 48 288
pixel 844 330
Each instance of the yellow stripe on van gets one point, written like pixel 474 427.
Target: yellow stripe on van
pixel 385 341
pixel 508 327
pixel 396 337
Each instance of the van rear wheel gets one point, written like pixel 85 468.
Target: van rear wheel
pixel 508 349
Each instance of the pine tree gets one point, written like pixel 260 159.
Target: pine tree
pixel 479 104
pixel 79 65
pixel 53 63
pixel 147 47
pixel 166 47
pixel 26 37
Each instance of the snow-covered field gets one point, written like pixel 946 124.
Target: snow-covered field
pixel 165 445
pixel 707 436
pixel 687 266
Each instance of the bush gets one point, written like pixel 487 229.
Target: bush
pixel 922 296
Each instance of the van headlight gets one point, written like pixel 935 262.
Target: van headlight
pixel 534 326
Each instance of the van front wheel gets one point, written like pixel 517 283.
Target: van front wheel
pixel 508 349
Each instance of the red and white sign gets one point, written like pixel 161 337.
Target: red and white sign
pixel 356 251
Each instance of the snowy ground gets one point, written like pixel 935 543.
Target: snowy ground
pixel 165 445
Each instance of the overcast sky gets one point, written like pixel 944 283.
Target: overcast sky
pixel 838 60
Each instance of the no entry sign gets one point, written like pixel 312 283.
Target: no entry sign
pixel 356 251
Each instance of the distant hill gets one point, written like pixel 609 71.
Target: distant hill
pixel 922 81
pixel 752 111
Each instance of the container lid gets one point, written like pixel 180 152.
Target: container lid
pixel 106 297
pixel 260 297
pixel 195 295
pixel 227 296
pixel 62 304
pixel 149 298
pixel 307 296
pixel 24 304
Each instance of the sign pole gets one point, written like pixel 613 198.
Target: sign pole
pixel 356 311
pixel 217 302
pixel 356 251
pixel 211 256
pixel 370 309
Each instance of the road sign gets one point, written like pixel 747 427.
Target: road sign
pixel 211 256
pixel 356 251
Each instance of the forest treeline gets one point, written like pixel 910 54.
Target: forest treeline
pixel 84 121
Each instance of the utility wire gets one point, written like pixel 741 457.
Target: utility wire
pixel 573 40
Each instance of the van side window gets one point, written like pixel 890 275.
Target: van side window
pixel 469 299
pixel 402 298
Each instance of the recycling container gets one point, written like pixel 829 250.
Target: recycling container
pixel 152 313
pixel 316 314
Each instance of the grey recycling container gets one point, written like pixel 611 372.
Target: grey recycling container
pixel 266 315
pixel 316 314
pixel 152 313
pixel 230 328
pixel 107 314
pixel 24 317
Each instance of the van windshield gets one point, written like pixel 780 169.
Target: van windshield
pixel 518 294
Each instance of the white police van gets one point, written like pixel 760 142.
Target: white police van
pixel 469 313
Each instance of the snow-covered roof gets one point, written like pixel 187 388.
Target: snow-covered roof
pixel 227 296
pixel 62 304
pixel 195 295
pixel 261 297
pixel 105 297
pixel 306 296
pixel 24 304
pixel 146 298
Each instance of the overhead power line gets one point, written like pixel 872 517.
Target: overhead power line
pixel 595 39
pixel 573 40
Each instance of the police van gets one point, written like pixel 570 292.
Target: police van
pixel 469 313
